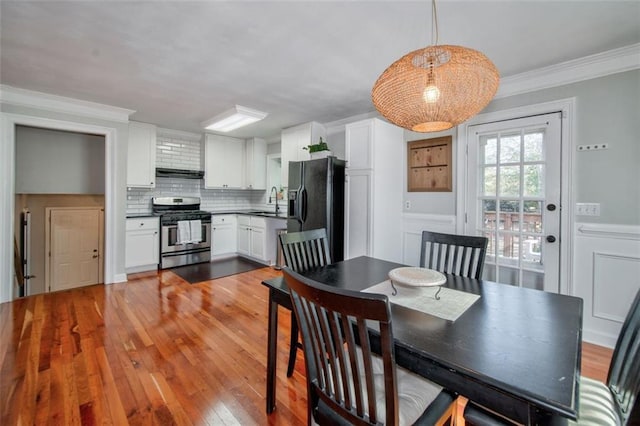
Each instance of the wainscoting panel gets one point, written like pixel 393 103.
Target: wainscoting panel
pixel 606 275
pixel 412 226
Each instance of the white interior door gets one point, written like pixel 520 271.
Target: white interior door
pixel 75 248
pixel 514 199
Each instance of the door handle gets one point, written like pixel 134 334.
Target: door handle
pixel 551 239
pixel 551 207
pixel 303 205
pixel 95 256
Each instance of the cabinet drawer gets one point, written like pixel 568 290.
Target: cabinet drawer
pixel 223 219
pixel 142 223
pixel 259 222
pixel 244 220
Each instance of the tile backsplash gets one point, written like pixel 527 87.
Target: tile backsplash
pixel 182 153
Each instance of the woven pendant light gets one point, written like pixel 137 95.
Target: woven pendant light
pixel 435 88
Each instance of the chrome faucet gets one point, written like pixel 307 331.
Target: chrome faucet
pixel 274 189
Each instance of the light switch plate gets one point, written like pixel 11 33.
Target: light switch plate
pixel 588 209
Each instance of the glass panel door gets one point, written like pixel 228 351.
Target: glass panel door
pixel 516 202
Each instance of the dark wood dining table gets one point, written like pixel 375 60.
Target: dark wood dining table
pixel 516 351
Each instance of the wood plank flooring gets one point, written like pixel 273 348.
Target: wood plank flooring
pixel 155 350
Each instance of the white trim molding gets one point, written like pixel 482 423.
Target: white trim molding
pixel 45 101
pixel 605 230
pixel 592 66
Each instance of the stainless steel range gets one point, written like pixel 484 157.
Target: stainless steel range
pixel 185 231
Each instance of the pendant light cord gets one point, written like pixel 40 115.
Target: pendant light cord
pixel 434 23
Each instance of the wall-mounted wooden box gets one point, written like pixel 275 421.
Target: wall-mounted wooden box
pixel 429 165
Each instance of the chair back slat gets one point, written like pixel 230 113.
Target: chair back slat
pixel 624 372
pixel 305 250
pixel 334 324
pixel 453 254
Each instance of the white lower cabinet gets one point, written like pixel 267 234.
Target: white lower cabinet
pixel 251 241
pixel 142 244
pixel 223 235
pixel 257 237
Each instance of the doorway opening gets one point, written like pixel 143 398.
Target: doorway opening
pixel 54 169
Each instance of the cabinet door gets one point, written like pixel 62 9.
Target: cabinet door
pixel 288 152
pixel 141 248
pixel 256 163
pixel 141 158
pixel 224 162
pixel 358 220
pixel 258 243
pixel 358 145
pixel 223 239
pixel 244 233
pixel 234 161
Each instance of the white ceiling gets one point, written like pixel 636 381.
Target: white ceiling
pixel 179 63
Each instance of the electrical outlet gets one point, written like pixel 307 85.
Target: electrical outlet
pixel 594 147
pixel 588 209
pixel 407 205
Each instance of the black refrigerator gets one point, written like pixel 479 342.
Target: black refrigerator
pixel 316 200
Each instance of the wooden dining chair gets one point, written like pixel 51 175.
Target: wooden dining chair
pixel 599 404
pixel 347 384
pixel 303 251
pixel 453 254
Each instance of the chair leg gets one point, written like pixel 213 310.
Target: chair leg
pixel 461 403
pixel 293 345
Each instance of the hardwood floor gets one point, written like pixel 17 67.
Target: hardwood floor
pixel 155 350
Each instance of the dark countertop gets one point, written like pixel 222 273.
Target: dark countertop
pixel 251 212
pixel 140 215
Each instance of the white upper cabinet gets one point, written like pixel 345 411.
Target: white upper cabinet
pixel 256 163
pixel 292 142
pixel 223 162
pixel 141 155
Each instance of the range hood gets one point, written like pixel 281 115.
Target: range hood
pixel 179 173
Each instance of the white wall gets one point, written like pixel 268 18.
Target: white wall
pixel 58 162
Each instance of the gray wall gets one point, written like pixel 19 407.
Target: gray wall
pixel 57 162
pixel 430 202
pixel 607 110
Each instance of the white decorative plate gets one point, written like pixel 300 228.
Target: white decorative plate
pixel 416 277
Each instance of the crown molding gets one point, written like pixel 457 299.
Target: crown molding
pixel 178 134
pixel 28 98
pixel 599 65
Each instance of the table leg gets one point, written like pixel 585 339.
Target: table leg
pixel 272 339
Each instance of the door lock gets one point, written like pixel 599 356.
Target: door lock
pixel 551 207
pixel 551 239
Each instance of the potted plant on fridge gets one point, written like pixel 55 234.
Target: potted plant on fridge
pixel 318 150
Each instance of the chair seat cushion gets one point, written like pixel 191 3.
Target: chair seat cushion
pixel 596 405
pixel 415 393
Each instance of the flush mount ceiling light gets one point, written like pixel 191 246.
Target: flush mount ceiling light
pixel 437 87
pixel 236 117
